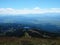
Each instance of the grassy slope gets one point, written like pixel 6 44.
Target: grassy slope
pixel 28 41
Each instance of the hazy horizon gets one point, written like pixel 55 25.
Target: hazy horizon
pixel 44 12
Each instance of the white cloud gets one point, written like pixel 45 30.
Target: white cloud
pixel 35 10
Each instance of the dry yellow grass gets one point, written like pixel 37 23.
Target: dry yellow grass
pixel 28 41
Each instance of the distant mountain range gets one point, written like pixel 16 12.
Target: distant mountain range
pixel 45 22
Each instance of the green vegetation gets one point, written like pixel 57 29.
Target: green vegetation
pixel 28 40
pixel 10 34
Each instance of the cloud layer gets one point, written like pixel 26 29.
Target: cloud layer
pixel 35 10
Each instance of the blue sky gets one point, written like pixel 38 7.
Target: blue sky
pixel 29 4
